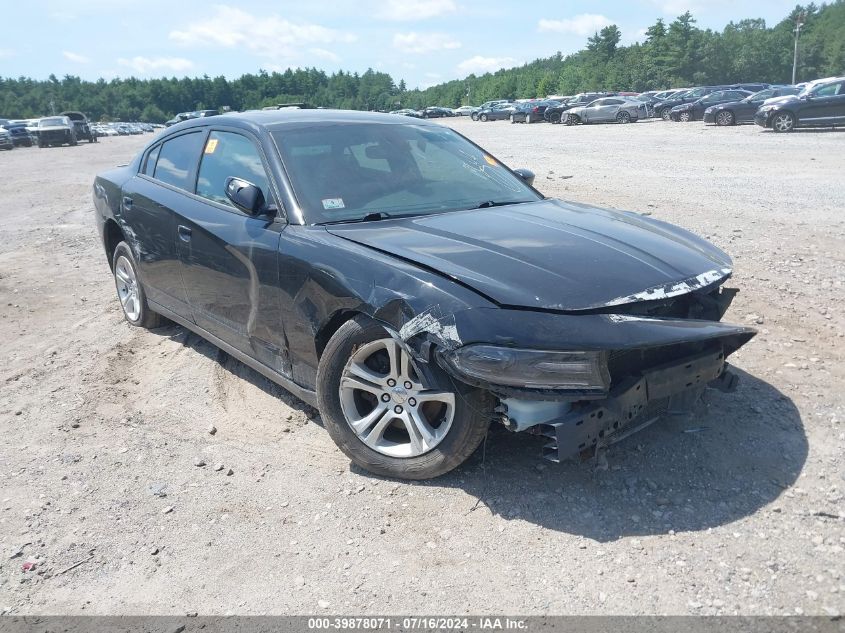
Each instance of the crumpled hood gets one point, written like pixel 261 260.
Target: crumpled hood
pixel 551 254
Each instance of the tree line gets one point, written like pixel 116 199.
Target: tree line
pixel 674 54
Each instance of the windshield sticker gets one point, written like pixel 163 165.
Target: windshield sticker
pixel 490 160
pixel 333 203
pixel 211 146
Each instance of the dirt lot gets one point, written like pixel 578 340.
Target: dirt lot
pixel 739 510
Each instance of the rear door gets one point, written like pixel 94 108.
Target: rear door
pixel 147 207
pixel 229 258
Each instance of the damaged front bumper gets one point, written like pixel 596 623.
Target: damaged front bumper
pixel 633 404
pixel 656 366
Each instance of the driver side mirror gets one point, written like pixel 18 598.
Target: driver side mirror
pixel 245 196
pixel 526 174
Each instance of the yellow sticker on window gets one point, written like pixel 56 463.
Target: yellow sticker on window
pixel 490 160
pixel 211 146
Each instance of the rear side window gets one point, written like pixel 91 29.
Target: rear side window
pixel 150 164
pixel 177 158
pixel 229 155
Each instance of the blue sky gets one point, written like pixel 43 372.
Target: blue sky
pixel 423 41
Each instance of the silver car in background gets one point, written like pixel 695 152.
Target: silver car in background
pixel 607 110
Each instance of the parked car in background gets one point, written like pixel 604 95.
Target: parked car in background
pixel 532 111
pixel 555 114
pixel 436 112
pixel 752 87
pixel 408 112
pixel 486 106
pixel 663 108
pixel 742 111
pixel 6 139
pixel 606 110
pixel 463 110
pixel 56 130
pixel 81 126
pixel 694 111
pixel 819 105
pixel 21 137
pixel 497 112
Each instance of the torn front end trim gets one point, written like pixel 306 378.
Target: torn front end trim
pixel 669 389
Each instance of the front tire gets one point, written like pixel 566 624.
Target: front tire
pixel 726 117
pixel 685 117
pixel 783 122
pixel 379 412
pixel 665 115
pixel 554 117
pixel 130 291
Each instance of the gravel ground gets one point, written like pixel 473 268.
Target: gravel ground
pixel 737 510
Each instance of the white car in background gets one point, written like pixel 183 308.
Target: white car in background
pixel 463 110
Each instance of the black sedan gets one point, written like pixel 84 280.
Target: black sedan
pixel 412 287
pixel 742 111
pixel 496 112
pixel 532 111
pixel 694 111
pixel 436 112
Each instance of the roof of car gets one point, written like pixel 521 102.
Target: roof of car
pixel 272 120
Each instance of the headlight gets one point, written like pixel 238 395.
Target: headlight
pixel 536 369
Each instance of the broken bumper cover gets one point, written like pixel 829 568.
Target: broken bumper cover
pixel 634 403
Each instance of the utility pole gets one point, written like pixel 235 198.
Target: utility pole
pixel 799 22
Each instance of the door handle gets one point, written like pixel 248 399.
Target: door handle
pixel 184 233
pixel 127 202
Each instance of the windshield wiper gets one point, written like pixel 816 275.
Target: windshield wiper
pixel 370 217
pixel 493 203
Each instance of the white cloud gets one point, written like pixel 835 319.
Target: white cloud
pixel 5 53
pixel 266 35
pixel 480 65
pixel 322 53
pixel 145 65
pixel 584 24
pixel 412 10
pixel 424 42
pixel 75 57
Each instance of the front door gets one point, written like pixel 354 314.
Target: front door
pixel 230 258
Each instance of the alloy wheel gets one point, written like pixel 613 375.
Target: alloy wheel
pixel 684 117
pixel 725 118
pixel 127 288
pixel 386 405
pixel 783 122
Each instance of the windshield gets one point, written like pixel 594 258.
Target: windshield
pixel 343 172
pixel 52 121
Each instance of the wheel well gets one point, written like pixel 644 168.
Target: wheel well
pixel 112 236
pixel 333 325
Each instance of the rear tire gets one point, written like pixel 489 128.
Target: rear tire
pixel 623 117
pixel 130 290
pixel 483 118
pixel 467 420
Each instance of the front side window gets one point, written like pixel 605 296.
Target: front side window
pixel 229 155
pixel 177 158
pixel 831 90
pixel 345 172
